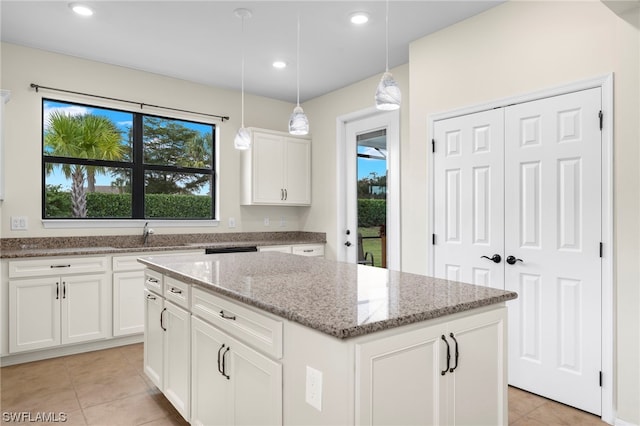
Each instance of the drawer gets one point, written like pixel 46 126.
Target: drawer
pixel 153 281
pixel 253 328
pixel 127 263
pixel 309 250
pixel 56 266
pixel 177 292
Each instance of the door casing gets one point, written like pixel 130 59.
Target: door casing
pixel 605 82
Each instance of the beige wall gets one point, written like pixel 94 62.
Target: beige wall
pixel 22 66
pixel 521 47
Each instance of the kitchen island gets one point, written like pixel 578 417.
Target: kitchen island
pixel 271 338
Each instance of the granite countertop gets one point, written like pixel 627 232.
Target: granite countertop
pixel 14 248
pixel 340 299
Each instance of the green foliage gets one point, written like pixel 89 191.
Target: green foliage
pixel 169 206
pixel 58 202
pixel 100 205
pixel 373 186
pixel 372 212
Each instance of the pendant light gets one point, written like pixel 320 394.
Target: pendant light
pixel 242 140
pixel 298 122
pixel 388 96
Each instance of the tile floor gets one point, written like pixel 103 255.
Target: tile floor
pixel 108 387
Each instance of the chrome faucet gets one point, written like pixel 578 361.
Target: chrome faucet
pixel 146 231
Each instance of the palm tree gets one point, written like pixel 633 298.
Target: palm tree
pixel 82 136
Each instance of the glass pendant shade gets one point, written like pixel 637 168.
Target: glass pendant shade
pixel 242 141
pixel 298 122
pixel 388 96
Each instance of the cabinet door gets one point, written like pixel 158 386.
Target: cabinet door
pixel 177 357
pixel 34 314
pixel 477 389
pixel 209 394
pixel 255 384
pixel 128 303
pixel 268 168
pixel 153 338
pixel 398 379
pixel 86 308
pixel 297 179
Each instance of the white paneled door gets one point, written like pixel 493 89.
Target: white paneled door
pixel 524 182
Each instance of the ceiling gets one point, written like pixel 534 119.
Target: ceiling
pixel 201 41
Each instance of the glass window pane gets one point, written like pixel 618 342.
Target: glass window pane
pixel 81 131
pixel 77 191
pixel 172 195
pixel 179 143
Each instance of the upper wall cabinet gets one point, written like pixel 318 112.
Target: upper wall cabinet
pixel 5 95
pixel 276 170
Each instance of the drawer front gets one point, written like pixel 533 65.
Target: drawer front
pixel 177 292
pixel 309 250
pixel 153 281
pixel 56 266
pixel 127 263
pixel 250 327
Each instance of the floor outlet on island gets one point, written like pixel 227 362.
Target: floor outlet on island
pixel 314 388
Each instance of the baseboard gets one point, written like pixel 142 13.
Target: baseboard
pixel 619 422
pixel 38 355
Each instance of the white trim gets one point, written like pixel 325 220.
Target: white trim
pixel 605 82
pixel 125 223
pixel 393 182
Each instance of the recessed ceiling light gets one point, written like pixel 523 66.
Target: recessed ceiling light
pixel 279 64
pixel 81 9
pixel 359 18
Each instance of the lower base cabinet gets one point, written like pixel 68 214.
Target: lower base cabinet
pixel 232 384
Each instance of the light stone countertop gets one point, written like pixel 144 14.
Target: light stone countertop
pixel 340 299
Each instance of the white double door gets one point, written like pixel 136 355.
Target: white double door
pixel 518 206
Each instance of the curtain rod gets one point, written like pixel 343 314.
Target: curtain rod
pixel 142 105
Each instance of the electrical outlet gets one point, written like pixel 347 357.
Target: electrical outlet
pixel 19 223
pixel 266 221
pixel 314 388
pixel 232 222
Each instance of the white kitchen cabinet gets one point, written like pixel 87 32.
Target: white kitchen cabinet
pixel 167 345
pixel 177 357
pixel 128 308
pixel 299 249
pixel 232 384
pixel 410 373
pixel 276 170
pixel 65 309
pixel 5 95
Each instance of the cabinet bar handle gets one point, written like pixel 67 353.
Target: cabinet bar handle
pixel 161 324
pixel 455 366
pixel 285 194
pixel 225 316
pixel 219 368
pixel 281 194
pixel 60 266
pixel 224 368
pixel 308 251
pixel 152 280
pixel 448 355
pixel 175 290
pixel 57 291
pixel 64 290
pixel 151 297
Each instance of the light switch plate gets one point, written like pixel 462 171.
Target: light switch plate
pixel 314 388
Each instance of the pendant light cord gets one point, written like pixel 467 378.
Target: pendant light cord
pixel 242 77
pixel 386 36
pixel 298 61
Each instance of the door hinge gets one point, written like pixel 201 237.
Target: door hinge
pixel 433 239
pixel 600 378
pixel 600 115
pixel 601 249
pixel 433 145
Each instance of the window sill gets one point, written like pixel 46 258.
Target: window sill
pixel 126 223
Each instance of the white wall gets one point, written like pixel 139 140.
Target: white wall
pixel 521 47
pixel 22 66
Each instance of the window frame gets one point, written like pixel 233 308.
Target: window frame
pixel 135 165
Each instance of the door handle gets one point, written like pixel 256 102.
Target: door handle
pixel 161 323
pixel 511 260
pixel 224 368
pixel 443 372
pixel 496 258
pixel 457 353
pixel 220 350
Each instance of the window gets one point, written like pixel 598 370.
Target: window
pixel 100 163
